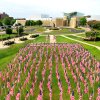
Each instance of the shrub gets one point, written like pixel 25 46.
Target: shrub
pixel 9 43
pixel 54 28
pixel 23 39
pixel 92 35
pixel 34 36
pixel 9 31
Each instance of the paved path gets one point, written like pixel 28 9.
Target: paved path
pixel 3 32
pixel 48 31
pixel 14 39
pixel 97 47
pixel 52 39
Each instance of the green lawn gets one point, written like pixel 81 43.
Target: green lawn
pixel 7 36
pixel 92 50
pixel 83 35
pixel 59 32
pixel 6 55
pixel 34 29
pixel 97 43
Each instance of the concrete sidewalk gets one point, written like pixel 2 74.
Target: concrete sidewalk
pixel 97 47
pixel 52 39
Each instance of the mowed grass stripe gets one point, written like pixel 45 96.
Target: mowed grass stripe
pixel 55 88
pixel 45 88
pixel 39 76
pixel 63 81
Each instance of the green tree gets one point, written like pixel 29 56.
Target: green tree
pixel 7 21
pixel 9 31
pixel 13 21
pixel 27 23
pixel 20 30
pixel 1 23
pixel 39 22
pixel 33 23
pixel 83 21
pixel 30 23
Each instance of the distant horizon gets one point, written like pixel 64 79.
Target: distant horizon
pixel 54 8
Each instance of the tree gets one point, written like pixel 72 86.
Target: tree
pixel 20 30
pixel 33 23
pixel 83 21
pixel 1 23
pixel 30 23
pixel 27 23
pixel 13 21
pixel 39 22
pixel 7 21
pixel 9 31
pixel 94 24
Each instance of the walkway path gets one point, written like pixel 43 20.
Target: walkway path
pixel 52 39
pixel 97 47
pixel 14 39
pixel 48 31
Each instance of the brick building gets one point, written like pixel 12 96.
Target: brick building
pixel 3 15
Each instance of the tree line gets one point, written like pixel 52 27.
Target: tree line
pixel 33 23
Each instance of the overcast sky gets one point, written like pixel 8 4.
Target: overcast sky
pixel 27 8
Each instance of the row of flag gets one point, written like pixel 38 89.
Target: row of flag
pixel 18 80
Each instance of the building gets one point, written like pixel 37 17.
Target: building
pixel 22 21
pixel 68 20
pixel 3 15
pixel 73 14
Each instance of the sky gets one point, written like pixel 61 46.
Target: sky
pixel 54 8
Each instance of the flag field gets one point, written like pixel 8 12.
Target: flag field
pixel 44 71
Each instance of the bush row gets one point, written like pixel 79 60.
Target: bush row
pixel 34 36
pixel 92 35
pixel 9 43
pixel 6 38
pixel 23 39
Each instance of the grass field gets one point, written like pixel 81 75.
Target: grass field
pixel 59 32
pixel 34 29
